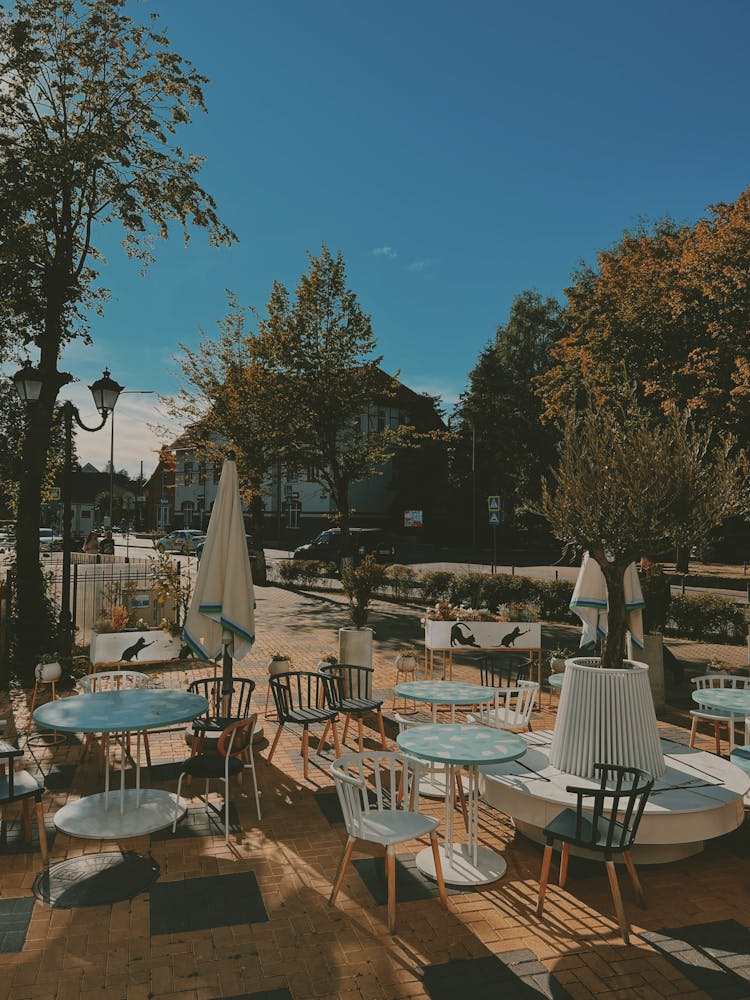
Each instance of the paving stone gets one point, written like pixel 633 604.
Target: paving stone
pixel 15 916
pixel 704 959
pixel 200 903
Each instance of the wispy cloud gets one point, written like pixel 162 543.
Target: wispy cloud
pixel 447 392
pixel 417 266
pixel 384 252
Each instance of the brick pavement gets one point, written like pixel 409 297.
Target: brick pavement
pixel 488 943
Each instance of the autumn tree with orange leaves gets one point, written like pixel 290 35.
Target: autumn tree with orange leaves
pixel 667 311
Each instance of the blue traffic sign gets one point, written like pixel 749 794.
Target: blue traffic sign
pixel 493 503
pixel 494 518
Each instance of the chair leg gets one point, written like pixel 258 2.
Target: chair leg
pixel 544 878
pixel 305 751
pixel 347 720
pixel 438 868
pixel 640 895
pixel 177 802
pixel 390 867
pixel 717 738
pixel 693 732
pixel 30 721
pixel 325 734
pixel 275 741
pixel 565 854
pixel 255 787
pixel 361 733
pixel 381 728
pixel 39 810
pixel 226 812
pixel 336 744
pixel 617 900
pixel 147 748
pixel 341 870
pixel 26 820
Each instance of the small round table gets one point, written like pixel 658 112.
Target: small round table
pixel 463 746
pixel 733 701
pixel 446 693
pixel 135 811
pixel 556 681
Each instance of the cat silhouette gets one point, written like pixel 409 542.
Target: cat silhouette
pixel 510 638
pixel 131 653
pixel 459 637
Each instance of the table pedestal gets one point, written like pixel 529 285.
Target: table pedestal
pixel 98 817
pixel 459 867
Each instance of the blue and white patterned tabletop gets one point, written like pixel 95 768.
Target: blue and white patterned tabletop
pixel 445 692
pixel 556 681
pixel 119 711
pixel 462 744
pixel 730 699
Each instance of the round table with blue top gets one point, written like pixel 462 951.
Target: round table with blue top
pixel 128 812
pixel 732 701
pixel 457 746
pixel 451 693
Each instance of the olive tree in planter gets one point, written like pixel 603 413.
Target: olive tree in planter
pixel 627 486
pixel 360 584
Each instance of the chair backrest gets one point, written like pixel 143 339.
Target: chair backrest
pixel 346 680
pixel 619 807
pixel 504 669
pixel 369 782
pixel 514 705
pixel 113 680
pixel 210 688
pixel 296 690
pixel 721 681
pixel 237 737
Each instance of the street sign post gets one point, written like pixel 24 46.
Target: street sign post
pixel 493 503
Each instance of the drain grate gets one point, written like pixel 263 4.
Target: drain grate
pixel 96 879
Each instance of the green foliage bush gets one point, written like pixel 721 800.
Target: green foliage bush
pixel 402 580
pixel 657 594
pixel 436 585
pixel 553 600
pixel 466 588
pixel 502 588
pixel 289 570
pixel 703 616
pixel 360 583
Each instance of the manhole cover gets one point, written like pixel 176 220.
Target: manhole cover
pixel 96 879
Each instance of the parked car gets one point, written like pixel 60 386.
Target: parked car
pixel 184 541
pixel 49 540
pixel 252 550
pixel 327 545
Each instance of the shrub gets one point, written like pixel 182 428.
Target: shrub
pixel 502 588
pixel 402 580
pixel 309 571
pixel 289 571
pixel 436 585
pixel 553 600
pixel 701 616
pixel 466 589
pixel 360 583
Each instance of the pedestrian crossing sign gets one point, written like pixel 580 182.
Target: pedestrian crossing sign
pixel 494 518
pixel 493 503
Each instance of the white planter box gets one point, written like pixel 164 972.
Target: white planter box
pixel 607 717
pixel 462 634
pixel 133 647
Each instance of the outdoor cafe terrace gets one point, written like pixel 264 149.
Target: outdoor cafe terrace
pixel 252 919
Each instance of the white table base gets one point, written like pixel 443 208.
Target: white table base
pixel 459 867
pixel 99 817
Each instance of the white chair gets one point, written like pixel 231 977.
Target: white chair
pixel 718 716
pixel 383 822
pixel 234 754
pixel 114 680
pixel 514 708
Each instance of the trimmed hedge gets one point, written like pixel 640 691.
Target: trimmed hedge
pixel 706 616
pixel 402 580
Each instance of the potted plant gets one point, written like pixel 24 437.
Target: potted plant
pixel 627 485
pixel 360 583
pixel 557 658
pixel 48 668
pixel 326 660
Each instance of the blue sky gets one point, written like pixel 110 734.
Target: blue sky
pixel 455 154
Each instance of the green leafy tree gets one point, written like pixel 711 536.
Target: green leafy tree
pixel 627 485
pixel 90 103
pixel 498 417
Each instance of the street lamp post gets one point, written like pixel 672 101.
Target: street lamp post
pixel 28 382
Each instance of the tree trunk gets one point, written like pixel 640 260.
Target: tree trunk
pixel 255 510
pixel 682 559
pixel 617 620
pixel 31 615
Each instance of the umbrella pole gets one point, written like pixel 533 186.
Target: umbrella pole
pixel 227 688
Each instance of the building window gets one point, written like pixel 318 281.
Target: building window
pixel 187 478
pixel 217 472
pixel 313 474
pixel 201 473
pixel 293 512
pixel 381 420
pixel 187 514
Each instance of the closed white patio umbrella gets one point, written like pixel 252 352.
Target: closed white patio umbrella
pixel 589 602
pixel 221 616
